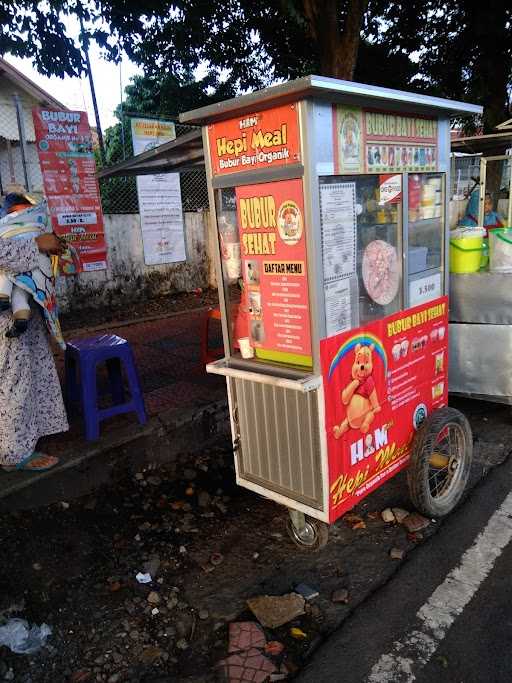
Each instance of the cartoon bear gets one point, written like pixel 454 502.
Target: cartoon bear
pixel 360 395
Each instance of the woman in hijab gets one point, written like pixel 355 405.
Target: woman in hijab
pixel 31 404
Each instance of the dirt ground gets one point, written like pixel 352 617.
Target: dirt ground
pixel 209 546
pixel 156 306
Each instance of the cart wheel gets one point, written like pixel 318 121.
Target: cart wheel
pixel 440 462
pixel 312 536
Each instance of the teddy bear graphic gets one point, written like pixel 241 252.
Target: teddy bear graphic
pixel 360 395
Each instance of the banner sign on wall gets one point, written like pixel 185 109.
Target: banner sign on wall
pixel 380 381
pixel 273 251
pixel 267 139
pixel 160 208
pixel 382 142
pixel 68 167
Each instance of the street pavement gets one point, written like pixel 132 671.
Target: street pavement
pixel 446 615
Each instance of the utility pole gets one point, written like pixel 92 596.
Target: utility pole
pixel 85 48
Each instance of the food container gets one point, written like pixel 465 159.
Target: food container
pixel 500 250
pixel 466 248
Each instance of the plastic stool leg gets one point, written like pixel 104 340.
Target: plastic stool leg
pixel 135 388
pixel 71 393
pixel 115 378
pixel 90 401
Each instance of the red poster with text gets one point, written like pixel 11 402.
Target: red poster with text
pixel 380 382
pixel 273 248
pixel 64 145
pixel 265 139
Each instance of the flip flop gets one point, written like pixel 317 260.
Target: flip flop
pixel 22 465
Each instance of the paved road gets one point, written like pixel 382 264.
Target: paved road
pixel 446 616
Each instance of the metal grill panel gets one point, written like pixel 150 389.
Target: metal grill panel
pixel 279 440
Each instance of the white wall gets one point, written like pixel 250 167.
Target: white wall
pixel 127 278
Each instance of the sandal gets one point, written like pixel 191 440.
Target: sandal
pixel 29 464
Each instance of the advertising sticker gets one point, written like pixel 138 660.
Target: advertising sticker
pixel 382 142
pixel 273 253
pixel 64 146
pixel 381 381
pixel 266 139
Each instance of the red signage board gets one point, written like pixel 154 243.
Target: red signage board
pixel 64 145
pixel 273 249
pixel 266 139
pixel 371 141
pixel 380 382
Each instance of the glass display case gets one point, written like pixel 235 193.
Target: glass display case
pixel 361 220
pixel 425 236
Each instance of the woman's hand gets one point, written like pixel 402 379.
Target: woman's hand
pixel 50 244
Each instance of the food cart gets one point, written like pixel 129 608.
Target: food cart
pixel 328 203
pixel 480 310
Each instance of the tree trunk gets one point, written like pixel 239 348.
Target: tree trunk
pixel 337 49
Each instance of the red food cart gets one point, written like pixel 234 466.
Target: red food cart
pixel 329 203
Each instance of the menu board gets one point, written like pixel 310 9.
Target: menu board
pixel 380 383
pixel 338 225
pixel 64 146
pixel 274 265
pixel 265 139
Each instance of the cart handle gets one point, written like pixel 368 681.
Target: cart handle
pixel 456 246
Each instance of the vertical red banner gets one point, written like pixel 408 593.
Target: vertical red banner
pixel 64 146
pixel 273 248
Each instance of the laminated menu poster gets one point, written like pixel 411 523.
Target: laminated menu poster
pixel 64 146
pixel 159 195
pixel 380 382
pixel 273 251
pixel 339 225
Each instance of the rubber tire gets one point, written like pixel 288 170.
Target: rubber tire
pixel 321 538
pixel 423 446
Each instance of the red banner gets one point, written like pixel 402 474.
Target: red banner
pixel 380 383
pixel 273 248
pixel 64 145
pixel 263 140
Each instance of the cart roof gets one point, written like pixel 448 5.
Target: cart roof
pixel 326 88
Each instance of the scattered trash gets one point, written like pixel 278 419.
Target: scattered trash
pixel 244 635
pixel 64 505
pixel 255 556
pixel 189 491
pixel 415 522
pixel 183 550
pixel 153 598
pixel 306 591
pixel 273 611
pixel 203 614
pixel 36 567
pixel 182 644
pixel 23 639
pixel 387 515
pixel 400 514
pixel 340 596
pixel 154 481
pixel 298 633
pixel 216 559
pixel 143 578
pixel 397 554
pixel 416 537
pixel 152 566
pixel 274 648
pixel 354 521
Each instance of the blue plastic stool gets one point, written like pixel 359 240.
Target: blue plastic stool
pixel 85 354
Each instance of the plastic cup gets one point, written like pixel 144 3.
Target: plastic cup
pixel 245 347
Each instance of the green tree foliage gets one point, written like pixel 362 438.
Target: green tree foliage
pixel 464 50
